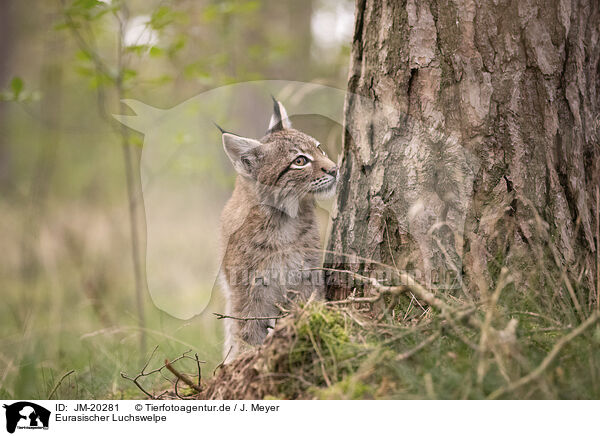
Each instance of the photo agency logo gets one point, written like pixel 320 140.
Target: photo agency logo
pixel 25 415
pixel 186 178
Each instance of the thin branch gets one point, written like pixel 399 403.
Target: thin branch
pixel 486 327
pixel 410 285
pixel 538 315
pixel 252 318
pixel 176 388
pixel 220 365
pixel 143 373
pixel 412 351
pixel 320 356
pixel 140 387
pixel 182 377
pixel 59 383
pixel 199 370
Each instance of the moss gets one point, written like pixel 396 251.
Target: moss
pixel 321 347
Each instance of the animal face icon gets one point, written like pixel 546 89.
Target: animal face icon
pixel 26 414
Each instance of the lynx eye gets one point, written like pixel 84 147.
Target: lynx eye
pixel 300 161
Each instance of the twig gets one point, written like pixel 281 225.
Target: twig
pixel 410 285
pixel 557 261
pixel 59 382
pixel 411 352
pixel 468 317
pixel 143 372
pixel 371 280
pixel 220 365
pixel 537 315
pixel 351 300
pixel 455 329
pixel 182 377
pixel 320 356
pixel 159 396
pixel 536 373
pixel 251 318
pixel 199 370
pixel 176 388
pixel 486 328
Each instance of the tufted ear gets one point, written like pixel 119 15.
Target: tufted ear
pixel 242 152
pixel 279 119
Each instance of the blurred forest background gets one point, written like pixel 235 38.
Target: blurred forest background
pixel 72 296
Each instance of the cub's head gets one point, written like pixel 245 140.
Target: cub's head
pixel 287 165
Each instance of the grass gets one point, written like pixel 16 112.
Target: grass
pixel 75 311
pixel 35 356
pixel 340 353
pixel 534 335
pixel 69 329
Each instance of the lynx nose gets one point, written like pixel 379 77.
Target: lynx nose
pixel 332 171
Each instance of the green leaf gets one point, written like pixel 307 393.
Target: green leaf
pixel 86 4
pixel 177 45
pixel 156 51
pixel 137 49
pixel 129 74
pixel 83 55
pixel 162 17
pixel 16 86
pixel 90 10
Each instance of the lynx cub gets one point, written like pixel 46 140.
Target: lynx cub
pixel 269 235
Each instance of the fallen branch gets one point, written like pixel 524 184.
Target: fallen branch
pixel 252 318
pixel 536 373
pixel 410 285
pixel 184 378
pixel 143 373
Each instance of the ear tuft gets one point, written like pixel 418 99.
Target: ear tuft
pixel 221 129
pixel 279 119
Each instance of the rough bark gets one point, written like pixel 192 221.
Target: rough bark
pixel 472 114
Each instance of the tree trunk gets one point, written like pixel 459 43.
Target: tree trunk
pixel 473 117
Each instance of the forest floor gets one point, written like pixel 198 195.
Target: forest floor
pixel 442 348
pixel 70 334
